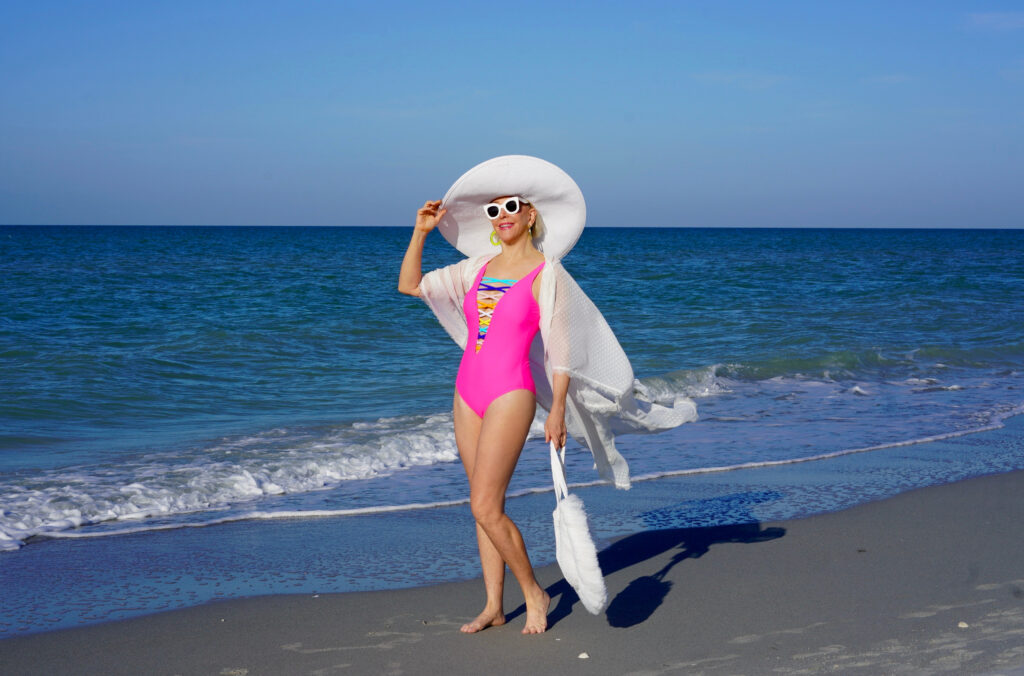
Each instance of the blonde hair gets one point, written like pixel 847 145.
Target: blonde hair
pixel 538 228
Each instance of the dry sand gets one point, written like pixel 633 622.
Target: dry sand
pixel 931 581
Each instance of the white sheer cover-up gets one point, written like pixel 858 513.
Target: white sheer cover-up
pixel 604 399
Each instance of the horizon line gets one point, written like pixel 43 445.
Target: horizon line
pixel 596 227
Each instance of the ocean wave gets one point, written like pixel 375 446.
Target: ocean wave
pixel 997 421
pixel 236 472
pixel 694 383
pixel 920 363
pixel 233 471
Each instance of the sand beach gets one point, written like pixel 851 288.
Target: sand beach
pixel 929 581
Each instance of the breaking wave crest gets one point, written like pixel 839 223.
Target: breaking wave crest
pixel 232 471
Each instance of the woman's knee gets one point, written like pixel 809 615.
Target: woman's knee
pixel 486 509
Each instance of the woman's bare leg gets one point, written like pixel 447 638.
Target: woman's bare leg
pixel 502 435
pixel 467 432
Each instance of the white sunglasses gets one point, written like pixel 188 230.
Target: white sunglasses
pixel 511 206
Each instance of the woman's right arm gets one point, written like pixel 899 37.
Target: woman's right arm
pixel 412 265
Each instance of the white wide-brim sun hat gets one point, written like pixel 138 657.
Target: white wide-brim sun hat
pixel 557 198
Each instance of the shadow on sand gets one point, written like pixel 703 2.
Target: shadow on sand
pixel 642 596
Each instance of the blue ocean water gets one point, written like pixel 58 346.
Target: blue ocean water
pixel 160 378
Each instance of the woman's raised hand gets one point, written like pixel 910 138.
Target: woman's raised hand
pixel 429 215
pixel 411 274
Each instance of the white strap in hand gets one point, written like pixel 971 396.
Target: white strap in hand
pixel 558 472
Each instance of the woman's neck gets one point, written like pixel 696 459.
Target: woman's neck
pixel 518 251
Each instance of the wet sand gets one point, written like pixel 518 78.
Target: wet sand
pixel 930 581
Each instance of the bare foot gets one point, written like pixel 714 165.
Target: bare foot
pixel 488 618
pixel 537 615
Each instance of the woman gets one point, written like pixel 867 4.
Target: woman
pixel 577 371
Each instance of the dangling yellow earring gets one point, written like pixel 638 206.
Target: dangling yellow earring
pixel 494 238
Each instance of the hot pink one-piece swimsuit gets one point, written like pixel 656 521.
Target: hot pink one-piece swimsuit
pixel 502 364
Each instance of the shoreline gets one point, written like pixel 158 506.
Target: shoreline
pixel 926 581
pixel 78 582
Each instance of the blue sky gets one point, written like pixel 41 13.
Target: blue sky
pixel 809 114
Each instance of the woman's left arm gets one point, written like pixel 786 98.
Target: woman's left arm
pixel 554 426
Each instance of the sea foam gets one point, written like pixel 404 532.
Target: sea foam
pixel 228 472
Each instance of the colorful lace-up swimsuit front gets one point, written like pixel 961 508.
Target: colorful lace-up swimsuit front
pixel 503 317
